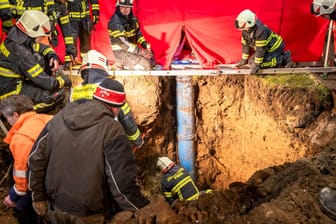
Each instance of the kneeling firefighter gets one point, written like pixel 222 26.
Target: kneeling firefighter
pixel 93 71
pixel 20 68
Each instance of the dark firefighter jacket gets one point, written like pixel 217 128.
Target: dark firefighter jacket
pixel 125 116
pixel 178 184
pixel 79 9
pixel 6 14
pixel 20 59
pixel 125 32
pixel 262 40
pixel 45 6
pixel 81 159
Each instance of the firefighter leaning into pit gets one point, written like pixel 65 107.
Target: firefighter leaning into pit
pixel 268 46
pixel 93 71
pixel 131 50
pixel 26 125
pixel 20 68
pixel 81 26
pixel 176 182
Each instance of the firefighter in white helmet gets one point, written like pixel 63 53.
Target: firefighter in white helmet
pixel 93 71
pixel 176 182
pixel 268 46
pixel 324 8
pixel 21 69
pixel 131 50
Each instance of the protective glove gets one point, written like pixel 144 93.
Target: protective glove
pixel 8 202
pixel 40 207
pixel 146 53
pixel 254 68
pixel 95 16
pixel 124 217
pixel 63 81
pixel 241 63
pixel 157 210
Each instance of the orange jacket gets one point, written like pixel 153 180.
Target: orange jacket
pixel 21 138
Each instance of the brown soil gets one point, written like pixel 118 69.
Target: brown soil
pixel 266 151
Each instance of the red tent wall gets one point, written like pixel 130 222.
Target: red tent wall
pixel 210 31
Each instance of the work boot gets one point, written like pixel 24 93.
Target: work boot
pixel 327 201
pixel 287 61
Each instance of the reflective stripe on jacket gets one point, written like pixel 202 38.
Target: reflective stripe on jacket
pixel 178 184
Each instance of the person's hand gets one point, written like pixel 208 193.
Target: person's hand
pixel 254 68
pixel 241 63
pixel 53 64
pixel 63 81
pixel 40 207
pixel 123 217
pixel 147 53
pixel 8 202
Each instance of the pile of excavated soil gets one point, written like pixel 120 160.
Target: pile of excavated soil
pixel 266 150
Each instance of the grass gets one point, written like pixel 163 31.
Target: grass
pixel 308 81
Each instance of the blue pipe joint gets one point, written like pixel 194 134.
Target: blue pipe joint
pixel 185 123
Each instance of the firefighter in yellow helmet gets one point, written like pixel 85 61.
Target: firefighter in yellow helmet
pixel 324 8
pixel 93 71
pixel 268 46
pixel 131 50
pixel 20 68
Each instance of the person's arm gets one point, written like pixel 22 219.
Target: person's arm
pixel 37 163
pixel 121 170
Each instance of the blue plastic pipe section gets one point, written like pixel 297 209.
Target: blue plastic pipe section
pixel 185 123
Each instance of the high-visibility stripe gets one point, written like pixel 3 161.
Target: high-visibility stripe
pixel 20 173
pixel 5 72
pixel 134 136
pixel 35 70
pixel 21 193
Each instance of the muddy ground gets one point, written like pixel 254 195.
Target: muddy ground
pixel 265 147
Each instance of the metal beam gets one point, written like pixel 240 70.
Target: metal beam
pixel 188 70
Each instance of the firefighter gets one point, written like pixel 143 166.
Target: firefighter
pixel 131 50
pixel 93 71
pixel 82 25
pixel 6 15
pixel 45 6
pixel 26 125
pixel 324 8
pixel 176 182
pixel 20 69
pixel 268 46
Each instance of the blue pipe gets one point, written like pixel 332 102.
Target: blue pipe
pixel 185 123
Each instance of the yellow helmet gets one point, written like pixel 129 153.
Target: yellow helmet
pixel 34 23
pixel 323 7
pixel 245 19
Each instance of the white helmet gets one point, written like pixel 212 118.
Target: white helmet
pixel 164 163
pixel 245 19
pixel 125 3
pixel 323 7
pixel 34 23
pixel 94 59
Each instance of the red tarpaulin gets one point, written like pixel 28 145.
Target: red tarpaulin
pixel 209 28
